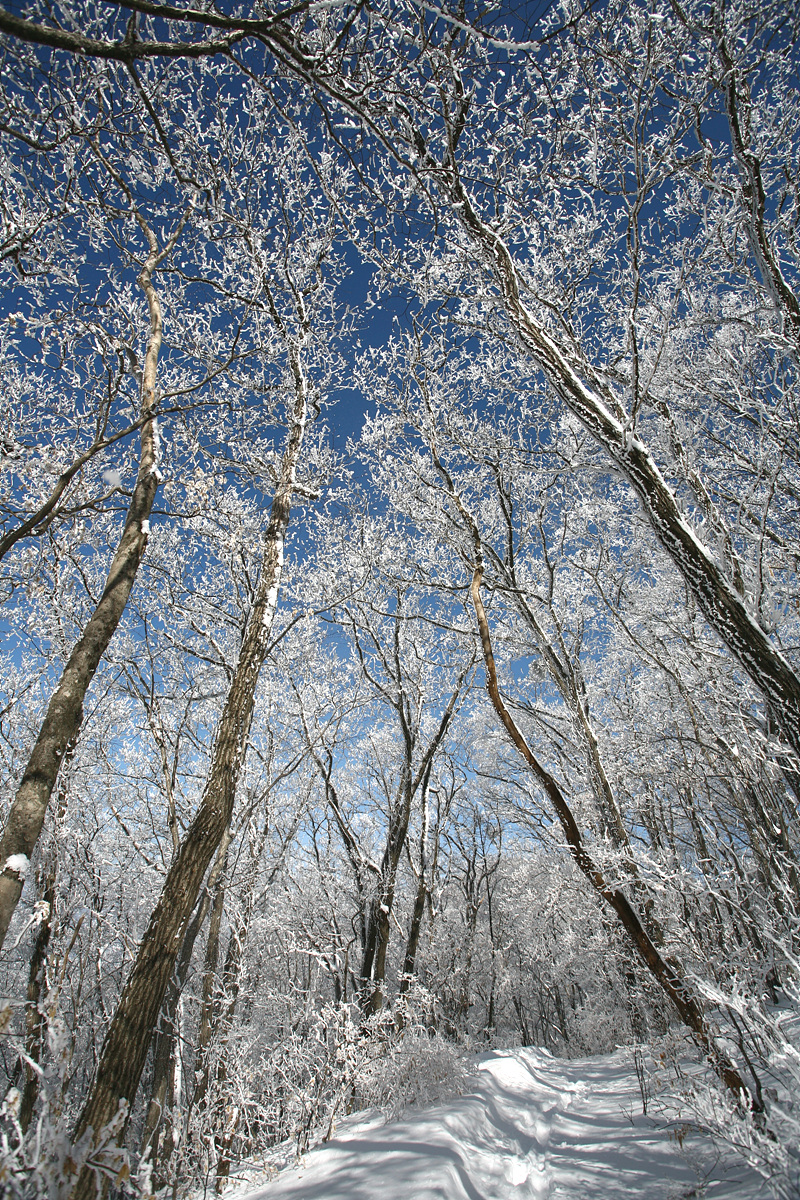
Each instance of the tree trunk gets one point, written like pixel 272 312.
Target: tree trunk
pixel 678 990
pixel 209 1008
pixel 125 1048
pixel 373 966
pixel 415 928
pixel 586 396
pixel 164 1037
pixel 35 1028
pixel 65 710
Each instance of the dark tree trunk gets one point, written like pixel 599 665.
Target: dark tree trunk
pixel 35 1023
pixel 678 989
pixel 164 1038
pixel 124 1051
pixel 415 928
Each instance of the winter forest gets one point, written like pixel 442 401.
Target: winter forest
pixel 399 530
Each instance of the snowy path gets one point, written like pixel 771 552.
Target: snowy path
pixel 533 1128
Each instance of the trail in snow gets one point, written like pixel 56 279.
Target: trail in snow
pixel 534 1128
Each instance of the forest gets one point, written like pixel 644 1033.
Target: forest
pixel 399 544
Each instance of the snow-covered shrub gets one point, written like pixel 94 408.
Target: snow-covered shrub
pixel 767 1041
pixel 329 1065
pixel 32 1160
pixel 42 1161
pixel 416 1069
pixel 411 1064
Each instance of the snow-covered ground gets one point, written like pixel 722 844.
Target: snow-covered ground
pixel 533 1127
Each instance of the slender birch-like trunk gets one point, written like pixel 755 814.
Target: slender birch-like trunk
pixel 64 714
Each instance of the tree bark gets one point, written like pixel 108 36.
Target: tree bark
pixel 210 1005
pixel 373 965
pixel 35 1027
pixel 415 928
pixel 426 873
pixel 373 968
pixel 164 1036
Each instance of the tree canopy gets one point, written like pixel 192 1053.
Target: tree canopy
pixel 399 540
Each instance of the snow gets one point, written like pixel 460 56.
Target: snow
pixel 272 594
pixel 534 1128
pixel 156 442
pixel 18 863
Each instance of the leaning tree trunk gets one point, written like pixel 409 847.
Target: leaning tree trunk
pixel 589 399
pixel 65 710
pixel 668 977
pixel 678 990
pixel 164 1039
pixel 124 1051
